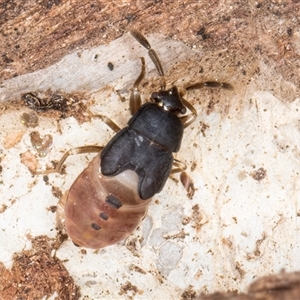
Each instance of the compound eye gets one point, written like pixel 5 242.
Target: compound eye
pixel 183 110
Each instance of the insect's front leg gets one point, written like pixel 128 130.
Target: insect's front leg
pixel 190 118
pixel 187 120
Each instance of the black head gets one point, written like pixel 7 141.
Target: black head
pixel 170 100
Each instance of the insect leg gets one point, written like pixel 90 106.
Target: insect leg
pixel 82 149
pixel 73 151
pixel 188 184
pixel 135 101
pixel 152 54
pixel 189 119
pixel 110 123
pixel 179 166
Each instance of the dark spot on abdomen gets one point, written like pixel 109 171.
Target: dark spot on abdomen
pixel 113 202
pixel 95 226
pixel 103 216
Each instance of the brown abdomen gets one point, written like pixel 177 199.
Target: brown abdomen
pixel 100 210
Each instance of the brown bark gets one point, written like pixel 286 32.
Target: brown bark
pixel 35 34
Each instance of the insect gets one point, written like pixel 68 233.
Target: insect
pixel 56 102
pixel 111 196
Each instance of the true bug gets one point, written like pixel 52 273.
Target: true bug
pixel 111 196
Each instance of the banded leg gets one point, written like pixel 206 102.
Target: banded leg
pixel 187 182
